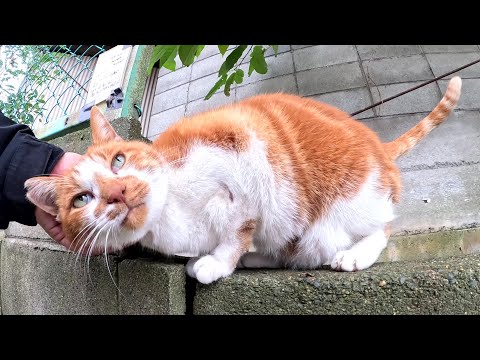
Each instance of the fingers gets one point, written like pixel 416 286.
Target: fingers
pixel 52 227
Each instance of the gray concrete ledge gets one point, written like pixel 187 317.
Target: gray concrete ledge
pixel 439 286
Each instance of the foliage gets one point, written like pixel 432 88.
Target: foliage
pixel 32 64
pixel 229 71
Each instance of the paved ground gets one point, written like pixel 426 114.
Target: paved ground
pixel 443 168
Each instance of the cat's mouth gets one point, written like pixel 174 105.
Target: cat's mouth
pixel 133 215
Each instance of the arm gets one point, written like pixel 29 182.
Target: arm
pixel 21 157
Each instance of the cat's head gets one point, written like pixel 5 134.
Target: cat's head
pixel 108 193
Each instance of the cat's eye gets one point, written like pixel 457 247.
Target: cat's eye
pixel 118 162
pixel 82 200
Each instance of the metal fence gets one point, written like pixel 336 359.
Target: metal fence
pixel 60 78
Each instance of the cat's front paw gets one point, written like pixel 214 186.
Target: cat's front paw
pixel 207 269
pixel 344 261
pixel 189 267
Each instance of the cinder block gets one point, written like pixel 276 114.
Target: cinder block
pixel 431 245
pixel 22 231
pixel 419 100
pixel 280 65
pixel 170 99
pixel 284 84
pixel 295 47
pixel 397 69
pixel 444 63
pixel 208 66
pixel 173 79
pixel 161 121
pixel 349 101
pixel 281 49
pixel 148 287
pixel 367 52
pixel 78 141
pixel 449 48
pixel 324 55
pixel 199 88
pixel 454 200
pixel 439 286
pixel 40 278
pixel 330 78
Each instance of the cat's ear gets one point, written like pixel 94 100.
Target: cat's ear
pixel 102 131
pixel 42 192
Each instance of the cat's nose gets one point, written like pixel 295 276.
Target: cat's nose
pixel 115 193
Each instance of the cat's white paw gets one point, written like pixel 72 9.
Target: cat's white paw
pixel 189 267
pixel 345 261
pixel 208 269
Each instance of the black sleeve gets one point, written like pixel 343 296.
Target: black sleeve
pixel 21 157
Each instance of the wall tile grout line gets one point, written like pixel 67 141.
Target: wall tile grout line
pixel 360 63
pixel 295 70
pixel 431 70
pixel 188 91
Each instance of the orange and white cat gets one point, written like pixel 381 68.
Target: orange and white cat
pixel 301 180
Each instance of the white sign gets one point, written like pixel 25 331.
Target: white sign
pixel 109 73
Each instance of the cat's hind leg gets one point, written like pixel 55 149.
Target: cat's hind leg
pixel 362 254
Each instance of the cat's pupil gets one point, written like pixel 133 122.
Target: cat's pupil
pixel 81 200
pixel 118 162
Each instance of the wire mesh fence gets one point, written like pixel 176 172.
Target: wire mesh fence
pixel 55 84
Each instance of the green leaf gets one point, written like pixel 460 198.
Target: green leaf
pixel 170 64
pixel 231 60
pixel 199 50
pixel 162 54
pixel 223 49
pixel 257 61
pixel 239 76
pixel 217 86
pixel 228 84
pixel 275 48
pixel 187 54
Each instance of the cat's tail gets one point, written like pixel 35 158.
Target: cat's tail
pixel 438 115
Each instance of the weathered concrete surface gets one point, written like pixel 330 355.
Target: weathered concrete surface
pixel 440 286
pixel 78 141
pixel 38 277
pixel 431 245
pixel 17 230
pixel 148 287
pixel 452 144
pixel 452 195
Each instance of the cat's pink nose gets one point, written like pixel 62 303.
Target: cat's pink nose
pixel 115 193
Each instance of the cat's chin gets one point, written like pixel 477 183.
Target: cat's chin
pixel 133 216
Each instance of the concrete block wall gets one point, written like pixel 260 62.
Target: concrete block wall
pixel 434 256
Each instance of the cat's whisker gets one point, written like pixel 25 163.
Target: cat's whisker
pixel 92 246
pixel 106 258
pixel 89 236
pixel 84 229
